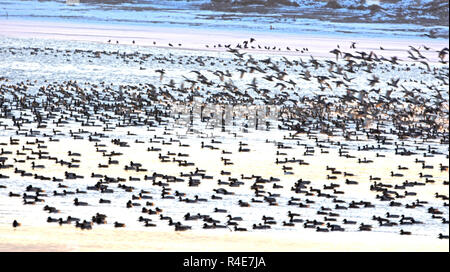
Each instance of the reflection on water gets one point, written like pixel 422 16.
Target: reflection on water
pixel 183 132
pixel 260 161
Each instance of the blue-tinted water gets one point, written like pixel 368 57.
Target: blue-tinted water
pixel 403 19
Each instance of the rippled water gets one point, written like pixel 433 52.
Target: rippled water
pixel 403 19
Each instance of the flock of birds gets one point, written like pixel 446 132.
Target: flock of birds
pixel 359 106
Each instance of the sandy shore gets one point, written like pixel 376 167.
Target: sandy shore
pixel 196 39
pixel 55 238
